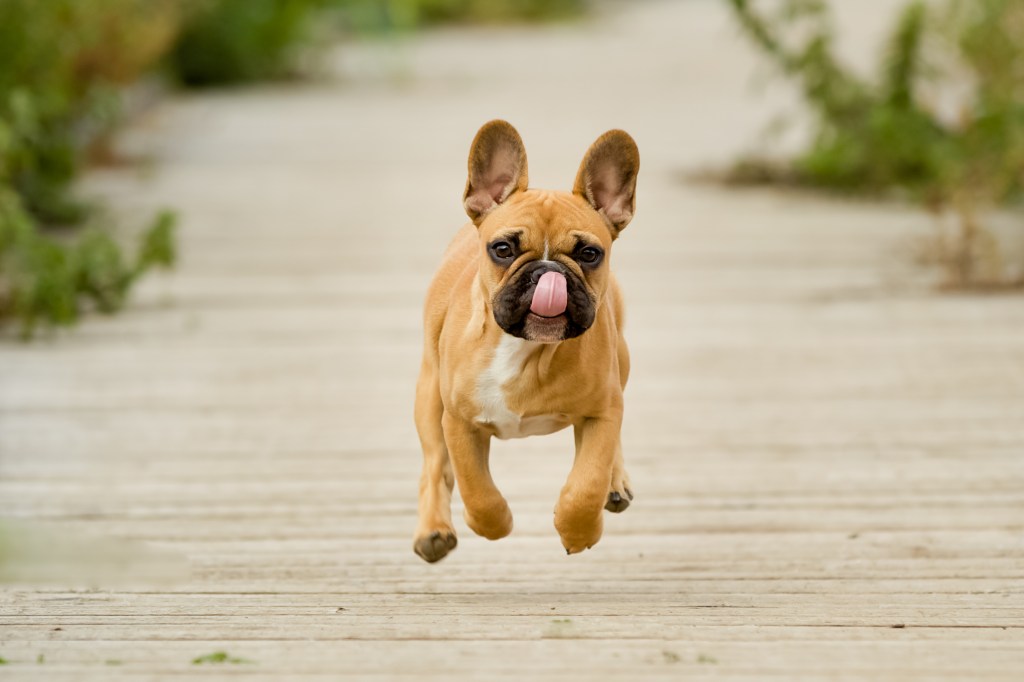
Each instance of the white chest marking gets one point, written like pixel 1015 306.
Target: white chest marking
pixel 509 357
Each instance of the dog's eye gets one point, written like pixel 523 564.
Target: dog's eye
pixel 502 250
pixel 589 255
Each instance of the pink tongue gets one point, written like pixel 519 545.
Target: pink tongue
pixel 549 298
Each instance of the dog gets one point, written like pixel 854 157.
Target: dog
pixel 523 336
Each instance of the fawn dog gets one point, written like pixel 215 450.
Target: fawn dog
pixel 523 336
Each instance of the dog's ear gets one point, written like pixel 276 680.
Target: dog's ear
pixel 497 168
pixel 607 178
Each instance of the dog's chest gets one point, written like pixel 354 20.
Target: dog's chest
pixel 507 363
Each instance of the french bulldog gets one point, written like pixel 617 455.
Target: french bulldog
pixel 523 336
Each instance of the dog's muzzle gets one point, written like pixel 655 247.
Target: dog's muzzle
pixel 544 301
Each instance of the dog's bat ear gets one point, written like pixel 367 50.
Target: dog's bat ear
pixel 607 178
pixel 497 168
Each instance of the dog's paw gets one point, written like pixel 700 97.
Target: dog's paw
pixel 579 526
pixel 435 546
pixel 577 539
pixel 492 520
pixel 621 493
pixel 619 501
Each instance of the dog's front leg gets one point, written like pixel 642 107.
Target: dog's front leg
pixel 578 512
pixel 487 512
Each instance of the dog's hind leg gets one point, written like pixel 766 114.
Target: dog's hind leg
pixel 435 536
pixel 621 494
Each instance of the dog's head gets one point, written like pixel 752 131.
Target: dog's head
pixel 545 255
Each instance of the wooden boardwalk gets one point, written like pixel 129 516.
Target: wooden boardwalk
pixel 828 457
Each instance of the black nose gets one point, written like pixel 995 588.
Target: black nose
pixel 542 267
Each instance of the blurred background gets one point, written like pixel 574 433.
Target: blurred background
pixel 914 101
pixel 218 219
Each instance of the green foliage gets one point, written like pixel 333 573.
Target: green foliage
pixel 60 63
pixel 489 11
pixel 886 134
pixel 386 15
pixel 218 657
pixel 43 280
pixel 39 155
pixel 235 41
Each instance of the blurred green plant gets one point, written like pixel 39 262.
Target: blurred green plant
pixel 44 280
pixel 60 64
pixel 890 133
pixel 218 657
pixel 413 13
pixel 60 61
pixel 226 42
pixel 238 41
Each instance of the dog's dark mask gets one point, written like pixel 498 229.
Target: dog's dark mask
pixel 511 305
